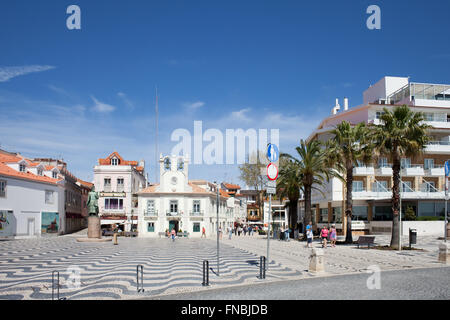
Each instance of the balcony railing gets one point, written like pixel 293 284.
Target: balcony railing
pixel 173 213
pixel 196 213
pixel 150 213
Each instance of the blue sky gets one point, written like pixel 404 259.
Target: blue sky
pixel 82 94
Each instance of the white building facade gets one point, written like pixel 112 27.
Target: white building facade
pixel 31 200
pixel 180 204
pixel 118 181
pixel 423 181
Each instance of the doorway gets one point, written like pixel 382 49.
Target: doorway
pixel 31 227
pixel 173 224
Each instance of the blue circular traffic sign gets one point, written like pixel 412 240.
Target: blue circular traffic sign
pixel 447 168
pixel 272 152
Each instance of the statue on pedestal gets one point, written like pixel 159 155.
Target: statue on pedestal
pixel 92 203
pixel 94 230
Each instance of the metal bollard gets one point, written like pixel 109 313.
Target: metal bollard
pixel 141 267
pixel 262 267
pixel 57 286
pixel 205 273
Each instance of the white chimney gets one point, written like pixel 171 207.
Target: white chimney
pixel 345 104
pixel 336 107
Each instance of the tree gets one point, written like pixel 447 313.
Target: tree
pixel 350 144
pixel 251 174
pixel 311 169
pixel 288 185
pixel 401 132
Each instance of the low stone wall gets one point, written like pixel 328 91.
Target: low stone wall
pixel 424 228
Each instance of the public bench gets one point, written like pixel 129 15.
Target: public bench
pixel 108 233
pixel 130 234
pixel 363 240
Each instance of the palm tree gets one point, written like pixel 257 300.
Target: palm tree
pixel 288 186
pixel 312 170
pixel 350 144
pixel 400 133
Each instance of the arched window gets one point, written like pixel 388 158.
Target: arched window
pixel 180 164
pixel 167 163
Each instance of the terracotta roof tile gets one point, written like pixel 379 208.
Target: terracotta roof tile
pixel 9 172
pixel 231 186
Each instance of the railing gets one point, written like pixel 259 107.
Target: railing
pixel 439 143
pixel 196 212
pixel 150 213
pixel 173 214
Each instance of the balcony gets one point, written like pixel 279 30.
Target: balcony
pixel 196 213
pixel 442 147
pixel 363 171
pixel 173 213
pixel 435 171
pixel 150 213
pixel 384 170
pixel 413 170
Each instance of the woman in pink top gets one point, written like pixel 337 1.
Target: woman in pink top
pixel 324 236
pixel 333 235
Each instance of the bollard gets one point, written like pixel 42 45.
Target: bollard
pixel 205 273
pixel 444 253
pixel 141 267
pixel 115 238
pixel 262 267
pixel 57 286
pixel 316 263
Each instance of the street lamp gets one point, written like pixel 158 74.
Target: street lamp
pixel 217 224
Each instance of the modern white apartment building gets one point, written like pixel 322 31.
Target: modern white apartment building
pixel 422 187
pixel 180 204
pixel 118 181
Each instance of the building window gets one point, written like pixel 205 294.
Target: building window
pixel 150 227
pixel 428 164
pixel 382 213
pixel 48 196
pixel 378 114
pixel 383 163
pixel 359 213
pixel 150 207
pixel 358 186
pixel 405 163
pixel 55 175
pixel 113 204
pixel 323 218
pixel 167 163
pixel 107 184
pixel 173 206
pixel 22 167
pixel 2 188
pixel 196 207
pixel 407 186
pixel 337 215
pixel 39 172
pixel 114 161
pixel 196 227
pixel 380 186
pixel 180 165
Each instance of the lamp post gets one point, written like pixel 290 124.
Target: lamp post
pixel 217 226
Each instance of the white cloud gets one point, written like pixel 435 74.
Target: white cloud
pixel 125 100
pixel 102 107
pixel 240 115
pixel 194 105
pixel 7 73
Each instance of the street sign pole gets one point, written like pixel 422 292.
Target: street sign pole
pixel 268 231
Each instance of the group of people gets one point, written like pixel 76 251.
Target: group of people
pixel 284 233
pixel 325 235
pixel 237 230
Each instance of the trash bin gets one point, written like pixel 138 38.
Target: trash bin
pixel 412 236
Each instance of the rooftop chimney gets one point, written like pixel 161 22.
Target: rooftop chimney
pixel 345 104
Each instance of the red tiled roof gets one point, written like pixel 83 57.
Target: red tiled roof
pixel 9 172
pixel 85 183
pixel 122 162
pixel 9 159
pixel 231 186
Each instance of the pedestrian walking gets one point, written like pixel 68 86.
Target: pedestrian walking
pixel 239 231
pixel 286 236
pixel 245 230
pixel 250 230
pixel 173 233
pixel 324 235
pixel 220 233
pixel 309 238
pixel 230 232
pixel 203 232
pixel 333 235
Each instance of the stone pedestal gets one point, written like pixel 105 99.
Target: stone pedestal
pixel 316 263
pixel 444 253
pixel 94 230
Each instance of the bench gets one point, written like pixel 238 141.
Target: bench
pixel 108 233
pixel 363 240
pixel 130 234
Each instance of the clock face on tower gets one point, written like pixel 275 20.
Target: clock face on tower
pixel 174 180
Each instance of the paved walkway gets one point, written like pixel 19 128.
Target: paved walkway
pixel 342 259
pixel 109 271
